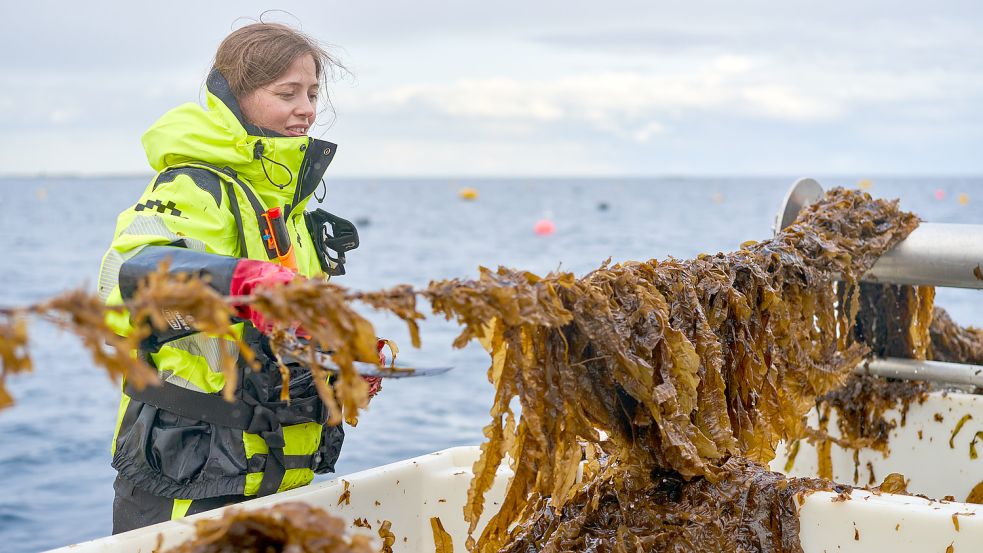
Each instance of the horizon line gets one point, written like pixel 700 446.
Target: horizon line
pixel 661 176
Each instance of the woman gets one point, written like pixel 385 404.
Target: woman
pixel 227 202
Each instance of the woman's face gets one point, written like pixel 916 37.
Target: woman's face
pixel 288 105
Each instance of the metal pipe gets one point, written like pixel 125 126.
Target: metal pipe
pixel 930 371
pixel 934 254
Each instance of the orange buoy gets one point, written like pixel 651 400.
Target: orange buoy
pixel 468 193
pixel 544 227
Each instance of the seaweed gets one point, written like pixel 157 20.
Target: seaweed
pixel 673 379
pixel 748 509
pixel 895 320
pixel 388 538
pixel 322 309
pixel 441 539
pixel 959 426
pixel 14 355
pixel 976 494
pixel 954 343
pixel 861 403
pixel 894 483
pixel 291 526
pixel 685 366
pixel 84 315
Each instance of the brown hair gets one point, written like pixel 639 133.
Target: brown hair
pixel 257 54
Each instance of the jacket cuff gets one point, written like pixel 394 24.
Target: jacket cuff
pixel 217 268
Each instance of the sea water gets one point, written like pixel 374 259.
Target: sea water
pixel 55 478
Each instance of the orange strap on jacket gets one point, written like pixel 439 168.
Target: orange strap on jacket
pixel 278 239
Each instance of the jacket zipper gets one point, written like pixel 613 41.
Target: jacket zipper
pixel 301 177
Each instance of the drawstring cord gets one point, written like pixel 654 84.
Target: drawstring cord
pixel 258 154
pixel 324 192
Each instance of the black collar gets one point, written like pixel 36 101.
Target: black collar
pixel 219 86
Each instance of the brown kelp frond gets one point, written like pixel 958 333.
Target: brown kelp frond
pixel 893 321
pixel 323 312
pixel 861 404
pixel 747 509
pixel 953 343
pixel 682 364
pixel 400 301
pixel 292 526
pixel 14 356
pixel 85 315
pixel 164 300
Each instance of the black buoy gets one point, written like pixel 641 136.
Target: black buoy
pixel 602 206
pixel 363 221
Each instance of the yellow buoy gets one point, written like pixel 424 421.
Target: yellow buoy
pixel 468 193
pixel 964 199
pixel 865 184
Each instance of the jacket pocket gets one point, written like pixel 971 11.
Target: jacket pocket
pixel 179 447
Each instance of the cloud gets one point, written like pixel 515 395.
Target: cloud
pixel 514 86
pixel 784 103
pixel 647 131
pixel 447 157
pixel 637 40
pixel 618 103
pixel 63 116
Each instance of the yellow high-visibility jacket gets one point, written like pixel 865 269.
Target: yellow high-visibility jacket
pixel 216 175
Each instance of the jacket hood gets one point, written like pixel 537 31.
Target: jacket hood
pixel 281 169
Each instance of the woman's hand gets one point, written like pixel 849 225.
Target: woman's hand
pixel 251 274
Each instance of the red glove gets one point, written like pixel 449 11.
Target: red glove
pixel 375 385
pixel 250 274
pixel 375 382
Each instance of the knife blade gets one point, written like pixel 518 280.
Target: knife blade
pixel 295 351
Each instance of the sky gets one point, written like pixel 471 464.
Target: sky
pixel 517 88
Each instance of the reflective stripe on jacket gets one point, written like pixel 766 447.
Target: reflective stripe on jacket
pixel 216 174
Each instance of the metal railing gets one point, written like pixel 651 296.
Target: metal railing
pixel 934 254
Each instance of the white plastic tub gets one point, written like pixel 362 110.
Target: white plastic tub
pixel 408 493
pixel 920 449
